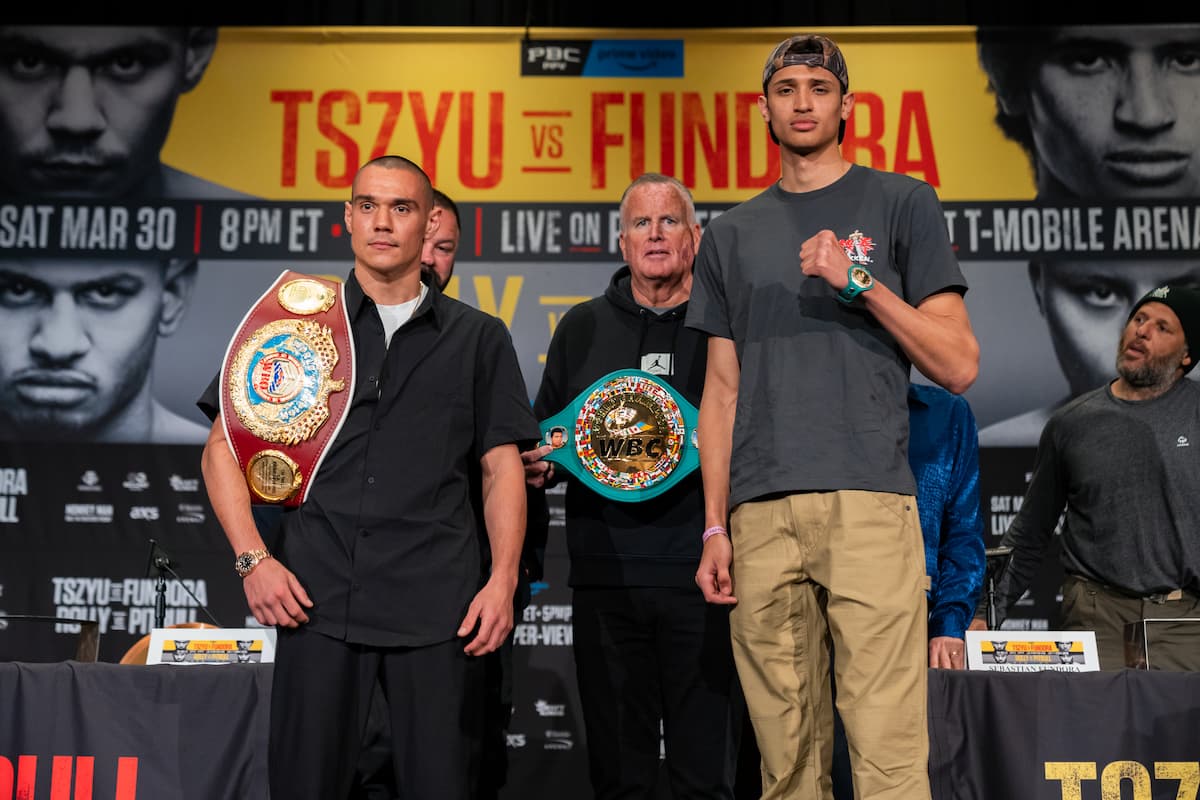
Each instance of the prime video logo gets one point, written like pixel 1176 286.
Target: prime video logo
pixel 603 58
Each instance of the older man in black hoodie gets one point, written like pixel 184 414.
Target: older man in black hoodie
pixel 647 645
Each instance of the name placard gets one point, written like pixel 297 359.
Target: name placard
pixel 1032 651
pixel 189 646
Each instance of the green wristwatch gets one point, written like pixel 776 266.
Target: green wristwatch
pixel 860 280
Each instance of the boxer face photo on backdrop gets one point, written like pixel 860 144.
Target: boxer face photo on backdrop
pixel 77 340
pixel 85 111
pixel 1103 111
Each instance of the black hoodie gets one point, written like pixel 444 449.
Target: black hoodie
pixel 654 542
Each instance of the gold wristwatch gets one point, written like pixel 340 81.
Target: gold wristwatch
pixel 247 561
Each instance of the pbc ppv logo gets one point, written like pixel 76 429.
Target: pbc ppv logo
pixel 559 57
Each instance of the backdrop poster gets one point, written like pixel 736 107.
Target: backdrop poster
pixel 129 252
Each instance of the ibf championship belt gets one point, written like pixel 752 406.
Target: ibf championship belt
pixel 286 381
pixel 629 436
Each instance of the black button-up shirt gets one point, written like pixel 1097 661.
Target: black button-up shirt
pixel 388 543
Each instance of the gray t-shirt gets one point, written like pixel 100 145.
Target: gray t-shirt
pixel 1127 474
pixel 821 402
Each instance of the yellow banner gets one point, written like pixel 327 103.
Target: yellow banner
pixel 290 113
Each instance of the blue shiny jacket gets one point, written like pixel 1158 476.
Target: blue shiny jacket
pixel 943 451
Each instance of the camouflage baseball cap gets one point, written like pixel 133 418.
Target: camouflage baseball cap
pixel 810 50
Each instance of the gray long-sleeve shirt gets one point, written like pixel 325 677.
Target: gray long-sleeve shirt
pixel 1128 475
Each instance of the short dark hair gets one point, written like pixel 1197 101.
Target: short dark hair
pixel 393 162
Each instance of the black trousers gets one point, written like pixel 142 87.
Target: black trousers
pixel 646 654
pixel 320 701
pixel 376 779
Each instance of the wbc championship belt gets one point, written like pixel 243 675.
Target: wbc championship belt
pixel 629 436
pixel 286 381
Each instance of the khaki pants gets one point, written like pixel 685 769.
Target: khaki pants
pixel 846 568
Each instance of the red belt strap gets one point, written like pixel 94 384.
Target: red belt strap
pixel 286 382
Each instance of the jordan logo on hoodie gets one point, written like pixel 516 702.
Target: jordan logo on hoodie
pixel 658 363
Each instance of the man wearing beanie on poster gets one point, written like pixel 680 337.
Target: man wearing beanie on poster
pixel 819 296
pixel 1124 462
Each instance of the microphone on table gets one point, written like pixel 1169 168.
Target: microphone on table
pixel 160 561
